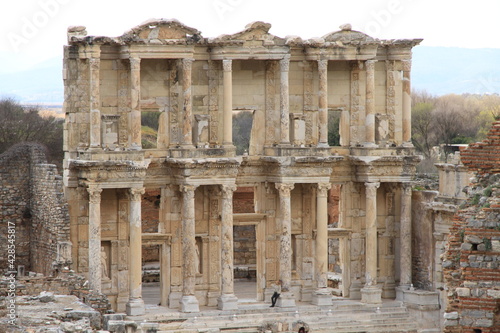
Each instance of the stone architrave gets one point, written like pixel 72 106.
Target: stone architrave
pixel 323 103
pixel 135 304
pixel 227 301
pixel 135 105
pixel 370 103
pixel 405 236
pixel 284 102
pixel 322 295
pixel 189 302
pixel 95 100
pixel 94 238
pixel 371 293
pixel 285 249
pixel 187 119
pixel 228 102
pixel 406 102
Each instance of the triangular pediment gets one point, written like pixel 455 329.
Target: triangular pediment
pixel 254 32
pixel 162 29
pixel 347 36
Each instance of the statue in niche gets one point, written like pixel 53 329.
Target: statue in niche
pixel 104 264
pixel 197 258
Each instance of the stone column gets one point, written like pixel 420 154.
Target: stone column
pixel 187 119
pixel 95 100
pixel 406 103
pixel 189 302
pixel 371 293
pixel 135 107
pixel 405 236
pixel 322 296
pixel 323 103
pixel 227 301
pixel 285 250
pixel 135 304
pixel 94 237
pixel 370 104
pixel 228 102
pixel 284 102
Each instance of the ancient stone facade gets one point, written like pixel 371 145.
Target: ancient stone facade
pixel 33 210
pixel 194 85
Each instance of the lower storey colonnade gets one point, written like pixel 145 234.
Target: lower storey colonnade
pixel 293 251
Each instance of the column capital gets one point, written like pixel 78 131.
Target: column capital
pixel 406 63
pixel 372 185
pixel 187 63
pixel 228 189
pixel 323 189
pixel 187 189
pixel 94 63
pixel 285 64
pixel 322 65
pixel 284 188
pixel 227 65
pixel 94 194
pixel 136 193
pixel 135 63
pixel 370 64
pixel 407 188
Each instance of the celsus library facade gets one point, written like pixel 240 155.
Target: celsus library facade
pixel 298 92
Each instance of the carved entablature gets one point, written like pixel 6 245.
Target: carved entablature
pixel 110 171
pixel 208 171
pixel 385 168
pixel 309 169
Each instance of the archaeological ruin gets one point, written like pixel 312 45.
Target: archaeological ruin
pixel 320 203
pixel 292 88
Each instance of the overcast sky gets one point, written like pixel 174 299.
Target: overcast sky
pixel 33 31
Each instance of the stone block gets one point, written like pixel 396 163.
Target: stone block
pixel 463 292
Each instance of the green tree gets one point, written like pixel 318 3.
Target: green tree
pixel 21 123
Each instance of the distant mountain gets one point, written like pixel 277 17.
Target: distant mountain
pixel 438 70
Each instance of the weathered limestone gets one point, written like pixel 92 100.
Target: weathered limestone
pixel 323 103
pixel 405 237
pixel 370 103
pixel 187 114
pixel 406 102
pixel 189 303
pixel 284 102
pixel 322 296
pixel 94 237
pixel 94 94
pixel 135 305
pixel 285 255
pixel 371 293
pixel 227 301
pixel 228 102
pixel 135 103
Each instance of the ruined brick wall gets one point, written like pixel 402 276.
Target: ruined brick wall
pixel 472 261
pixel 31 197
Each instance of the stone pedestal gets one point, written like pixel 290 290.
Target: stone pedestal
pixel 322 297
pixel 227 302
pixel 371 295
pixel 286 300
pixel 189 304
pixel 135 307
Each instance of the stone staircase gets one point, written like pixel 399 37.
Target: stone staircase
pixel 342 316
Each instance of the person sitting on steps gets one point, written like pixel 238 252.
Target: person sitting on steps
pixel 276 295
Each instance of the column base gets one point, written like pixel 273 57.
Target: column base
pixel 227 302
pixel 371 295
pixel 323 145
pixel 370 145
pixel 189 304
pixel 407 144
pixel 286 300
pixel 135 307
pixel 322 296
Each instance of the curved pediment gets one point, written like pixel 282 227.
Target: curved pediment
pixel 163 29
pixel 348 36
